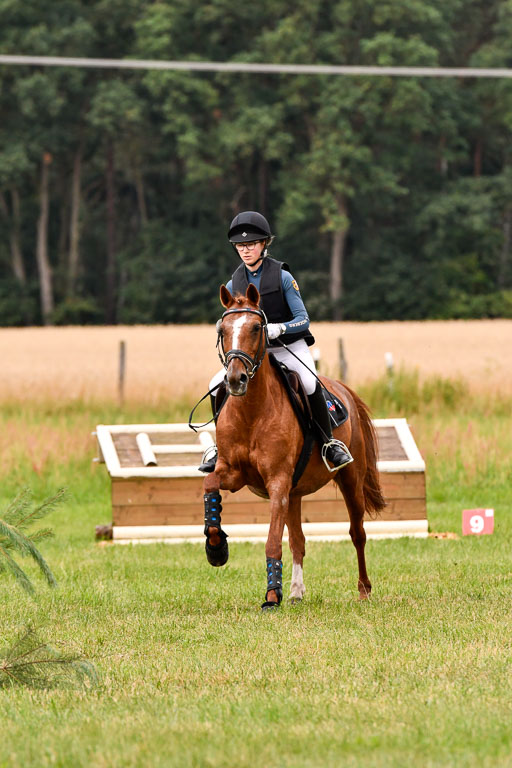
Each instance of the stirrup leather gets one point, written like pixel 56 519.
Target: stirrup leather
pixel 325 448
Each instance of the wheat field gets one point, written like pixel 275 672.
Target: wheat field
pixel 169 362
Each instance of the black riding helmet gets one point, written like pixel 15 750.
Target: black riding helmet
pixel 249 226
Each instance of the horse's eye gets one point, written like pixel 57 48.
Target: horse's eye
pixel 218 327
pixel 256 328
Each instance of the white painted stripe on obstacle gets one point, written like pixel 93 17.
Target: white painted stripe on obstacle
pixel 108 449
pixel 244 531
pixel 262 539
pixel 415 462
pixel 256 68
pixel 156 472
pixel 130 429
pixel 190 470
pixel 405 436
pixel 400 466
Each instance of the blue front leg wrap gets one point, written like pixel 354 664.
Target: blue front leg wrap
pixel 212 510
pixel 275 577
pixel 217 554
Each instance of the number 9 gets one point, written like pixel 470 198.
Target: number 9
pixel 476 523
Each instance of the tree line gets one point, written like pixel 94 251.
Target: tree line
pixel 391 198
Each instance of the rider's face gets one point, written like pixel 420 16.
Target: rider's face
pixel 250 253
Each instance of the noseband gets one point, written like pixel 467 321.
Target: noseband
pixel 251 364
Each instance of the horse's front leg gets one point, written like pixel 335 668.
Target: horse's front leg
pixel 298 548
pixel 216 546
pixel 279 495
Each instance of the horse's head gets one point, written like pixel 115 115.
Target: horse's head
pixel 242 337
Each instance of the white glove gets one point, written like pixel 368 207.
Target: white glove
pixel 275 329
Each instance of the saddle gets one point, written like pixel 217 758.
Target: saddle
pixel 299 399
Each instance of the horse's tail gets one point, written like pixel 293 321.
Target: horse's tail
pixel 373 498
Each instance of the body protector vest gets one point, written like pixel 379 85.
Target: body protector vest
pixel 272 300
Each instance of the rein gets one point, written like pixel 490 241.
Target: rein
pixel 197 427
pixel 251 364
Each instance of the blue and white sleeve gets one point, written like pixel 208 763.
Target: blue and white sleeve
pixel 300 319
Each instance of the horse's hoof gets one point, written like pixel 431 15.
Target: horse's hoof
pixel 295 600
pixel 218 555
pixel 269 605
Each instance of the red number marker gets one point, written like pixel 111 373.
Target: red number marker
pixel 477 521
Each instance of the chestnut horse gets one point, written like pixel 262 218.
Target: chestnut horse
pixel 259 440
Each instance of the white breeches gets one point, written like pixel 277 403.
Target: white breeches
pixel 304 367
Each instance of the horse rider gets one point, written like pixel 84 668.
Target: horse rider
pixel 250 236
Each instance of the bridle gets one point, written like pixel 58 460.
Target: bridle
pixel 251 364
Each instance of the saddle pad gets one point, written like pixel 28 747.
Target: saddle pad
pixel 337 410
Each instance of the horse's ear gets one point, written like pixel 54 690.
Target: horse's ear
pixel 226 298
pixel 253 294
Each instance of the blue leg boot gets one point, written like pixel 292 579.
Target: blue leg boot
pixel 216 555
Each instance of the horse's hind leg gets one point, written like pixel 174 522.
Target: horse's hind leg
pixel 297 543
pixel 352 488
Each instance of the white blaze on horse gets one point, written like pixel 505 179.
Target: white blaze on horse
pixel 260 440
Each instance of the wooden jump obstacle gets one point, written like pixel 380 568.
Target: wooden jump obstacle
pixel 157 490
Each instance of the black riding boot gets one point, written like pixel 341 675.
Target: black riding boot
pixel 210 455
pixel 333 450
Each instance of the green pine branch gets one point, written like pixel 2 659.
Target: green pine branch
pixel 31 662
pixel 20 514
pixel 14 538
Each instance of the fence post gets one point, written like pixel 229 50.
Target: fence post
pixel 122 371
pixel 342 361
pixel 390 369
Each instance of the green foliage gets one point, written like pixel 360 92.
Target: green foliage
pixel 403 393
pixel 77 311
pixel 415 175
pixel 30 662
pixel 17 304
pixel 14 521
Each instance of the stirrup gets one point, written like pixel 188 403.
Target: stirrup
pixel 209 459
pixel 342 446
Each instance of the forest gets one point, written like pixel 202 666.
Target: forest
pixel 390 197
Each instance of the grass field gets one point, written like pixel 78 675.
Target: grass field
pixel 192 674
